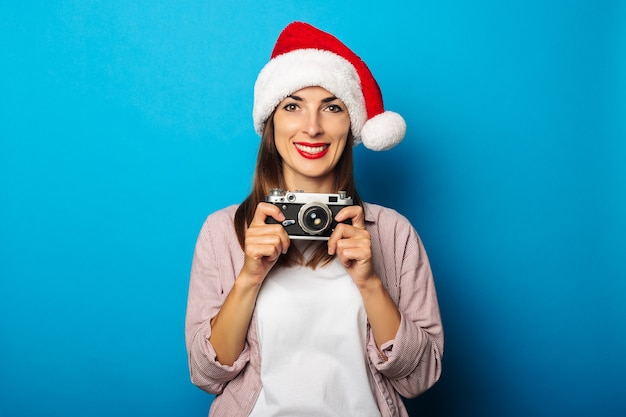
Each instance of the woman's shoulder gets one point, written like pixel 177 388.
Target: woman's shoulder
pixel 380 214
pixel 220 222
pixel 226 214
pixel 387 224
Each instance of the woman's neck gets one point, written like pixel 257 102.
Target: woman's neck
pixel 311 185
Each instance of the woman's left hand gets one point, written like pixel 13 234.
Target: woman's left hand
pixel 352 245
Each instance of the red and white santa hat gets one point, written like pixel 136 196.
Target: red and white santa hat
pixel 305 56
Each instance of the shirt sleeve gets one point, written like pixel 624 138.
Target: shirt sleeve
pixel 412 360
pixel 205 298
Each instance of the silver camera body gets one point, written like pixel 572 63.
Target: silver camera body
pixel 308 216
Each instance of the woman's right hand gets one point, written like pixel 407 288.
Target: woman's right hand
pixel 264 243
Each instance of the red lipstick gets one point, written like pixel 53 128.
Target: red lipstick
pixel 312 150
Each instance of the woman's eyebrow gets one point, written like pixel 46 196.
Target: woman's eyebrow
pixel 329 99
pixel 325 100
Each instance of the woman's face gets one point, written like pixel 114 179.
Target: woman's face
pixel 311 128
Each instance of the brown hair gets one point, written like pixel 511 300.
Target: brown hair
pixel 269 174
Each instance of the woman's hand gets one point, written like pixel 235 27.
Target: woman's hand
pixel 264 243
pixel 352 245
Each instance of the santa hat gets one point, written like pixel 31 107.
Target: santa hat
pixel 305 56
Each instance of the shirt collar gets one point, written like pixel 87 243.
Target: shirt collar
pixel 368 210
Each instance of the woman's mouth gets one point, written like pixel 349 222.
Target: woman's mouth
pixel 312 150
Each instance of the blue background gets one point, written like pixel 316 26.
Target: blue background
pixel 123 124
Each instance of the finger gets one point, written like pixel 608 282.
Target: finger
pixel 348 231
pixel 269 252
pixel 355 245
pixel 355 213
pixel 265 210
pixel 263 229
pixel 345 236
pixel 353 256
pixel 268 234
pixel 332 241
pixel 260 260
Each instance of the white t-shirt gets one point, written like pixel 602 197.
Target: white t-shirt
pixel 312 330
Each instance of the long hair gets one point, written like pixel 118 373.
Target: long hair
pixel 269 174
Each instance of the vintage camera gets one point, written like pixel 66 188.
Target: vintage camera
pixel 308 216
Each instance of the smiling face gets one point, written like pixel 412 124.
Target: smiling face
pixel 311 128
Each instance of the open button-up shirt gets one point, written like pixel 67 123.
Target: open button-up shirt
pixel 407 366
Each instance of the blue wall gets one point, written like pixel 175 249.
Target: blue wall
pixel 123 124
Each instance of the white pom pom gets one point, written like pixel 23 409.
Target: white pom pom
pixel 384 131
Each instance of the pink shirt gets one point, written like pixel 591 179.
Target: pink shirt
pixel 413 361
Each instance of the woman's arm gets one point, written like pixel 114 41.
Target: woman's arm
pixel 264 243
pixel 405 323
pixel 412 360
pixel 211 283
pixel 382 314
pixel 352 245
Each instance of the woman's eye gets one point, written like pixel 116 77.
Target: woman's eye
pixel 334 108
pixel 290 107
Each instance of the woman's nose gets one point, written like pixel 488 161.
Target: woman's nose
pixel 313 125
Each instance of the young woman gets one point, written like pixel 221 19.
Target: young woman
pixel 283 327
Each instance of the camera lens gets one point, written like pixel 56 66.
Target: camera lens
pixel 314 218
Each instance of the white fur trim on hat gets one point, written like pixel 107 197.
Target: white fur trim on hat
pixel 292 71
